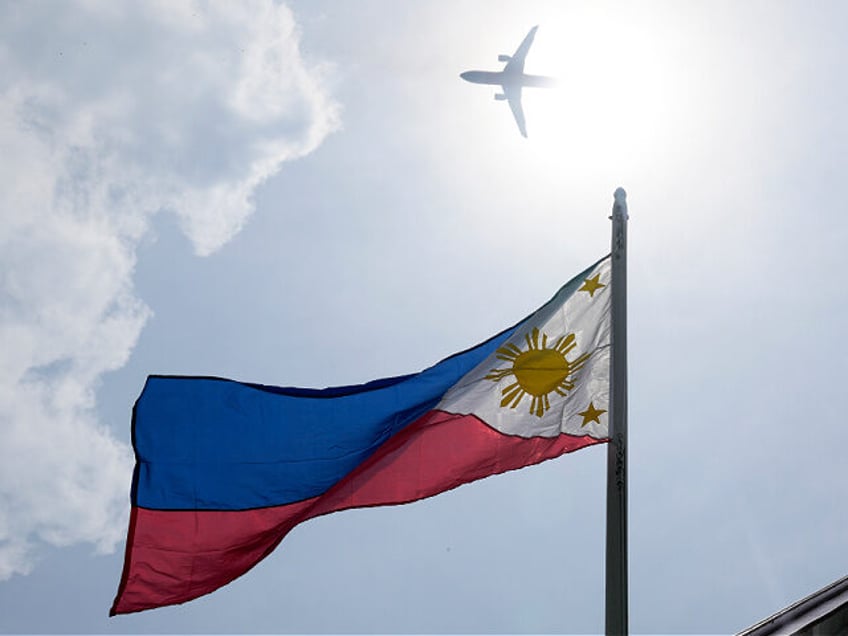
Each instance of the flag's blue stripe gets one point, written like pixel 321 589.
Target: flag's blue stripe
pixel 215 444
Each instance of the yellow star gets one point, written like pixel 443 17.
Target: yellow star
pixel 591 414
pixel 592 285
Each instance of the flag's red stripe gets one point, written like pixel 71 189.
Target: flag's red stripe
pixel 175 556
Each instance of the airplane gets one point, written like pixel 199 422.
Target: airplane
pixel 512 79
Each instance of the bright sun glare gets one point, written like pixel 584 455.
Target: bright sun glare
pixel 611 107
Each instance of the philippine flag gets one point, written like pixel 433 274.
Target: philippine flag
pixel 224 470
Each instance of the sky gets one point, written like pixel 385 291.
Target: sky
pixel 307 194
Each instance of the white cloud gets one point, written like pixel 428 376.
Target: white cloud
pixel 110 113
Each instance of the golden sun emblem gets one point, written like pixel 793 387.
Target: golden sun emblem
pixel 538 371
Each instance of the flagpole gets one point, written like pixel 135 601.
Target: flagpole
pixel 616 558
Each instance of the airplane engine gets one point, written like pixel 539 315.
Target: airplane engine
pixel 504 58
pixel 500 97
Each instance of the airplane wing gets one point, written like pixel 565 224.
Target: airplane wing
pixel 513 96
pixel 516 63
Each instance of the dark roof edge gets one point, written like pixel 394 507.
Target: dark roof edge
pixel 815 601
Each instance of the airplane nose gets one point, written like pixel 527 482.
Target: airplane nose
pixel 464 75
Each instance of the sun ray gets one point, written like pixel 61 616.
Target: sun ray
pixel 505 354
pixel 536 406
pixel 579 362
pixel 511 347
pixel 512 397
pixel 509 389
pixel 498 374
pixel 567 344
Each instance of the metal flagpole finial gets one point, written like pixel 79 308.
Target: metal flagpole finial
pixel 619 208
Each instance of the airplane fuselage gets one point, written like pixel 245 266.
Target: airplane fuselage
pixel 504 78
